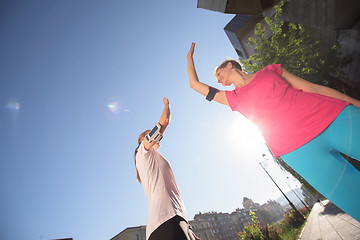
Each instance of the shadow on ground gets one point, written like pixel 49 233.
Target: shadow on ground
pixel 331 209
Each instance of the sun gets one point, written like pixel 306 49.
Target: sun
pixel 243 135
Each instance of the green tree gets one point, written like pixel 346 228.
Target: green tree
pixel 252 231
pixel 253 217
pixel 292 46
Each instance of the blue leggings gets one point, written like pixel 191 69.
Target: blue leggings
pixel 320 163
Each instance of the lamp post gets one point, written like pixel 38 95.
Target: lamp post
pixel 296 194
pixel 290 203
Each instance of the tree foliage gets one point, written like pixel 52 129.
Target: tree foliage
pixel 257 231
pixel 289 228
pixel 293 46
pixel 252 231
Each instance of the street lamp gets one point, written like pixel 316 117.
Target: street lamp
pixel 296 194
pixel 291 204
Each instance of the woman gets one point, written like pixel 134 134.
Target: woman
pixel 305 124
pixel 166 214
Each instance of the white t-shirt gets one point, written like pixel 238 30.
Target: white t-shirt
pixel 160 188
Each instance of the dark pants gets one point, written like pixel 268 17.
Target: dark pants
pixel 175 228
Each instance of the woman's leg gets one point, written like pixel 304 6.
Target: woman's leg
pixel 344 132
pixel 321 164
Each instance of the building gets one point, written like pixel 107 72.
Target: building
pixel 223 225
pixel 269 212
pixel 246 7
pixel 249 204
pixel 227 226
pixel 132 233
pixel 331 21
pixel 274 210
pixel 203 229
pixel 241 217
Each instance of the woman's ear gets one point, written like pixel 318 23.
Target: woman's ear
pixel 229 65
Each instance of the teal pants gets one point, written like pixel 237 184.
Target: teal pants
pixel 320 163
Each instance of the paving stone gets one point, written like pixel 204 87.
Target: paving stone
pixel 328 222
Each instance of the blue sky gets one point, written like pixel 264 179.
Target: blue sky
pixel 79 81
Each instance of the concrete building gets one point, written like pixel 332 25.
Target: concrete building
pixel 269 212
pixel 246 7
pixel 332 20
pixel 274 209
pixel 249 204
pixel 241 217
pixel 241 28
pixel 223 225
pixel 203 229
pixel 132 233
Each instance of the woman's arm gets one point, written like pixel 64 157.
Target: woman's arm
pixel 307 86
pixel 165 115
pixel 164 122
pixel 198 86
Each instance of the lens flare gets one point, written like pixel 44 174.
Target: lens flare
pixel 244 136
pixel 12 106
pixel 114 108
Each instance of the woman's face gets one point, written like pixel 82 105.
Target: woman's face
pixel 223 76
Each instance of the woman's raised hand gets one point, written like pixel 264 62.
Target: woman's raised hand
pixel 166 101
pixel 165 116
pixel 191 51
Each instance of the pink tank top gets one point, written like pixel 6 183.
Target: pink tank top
pixel 160 188
pixel 287 117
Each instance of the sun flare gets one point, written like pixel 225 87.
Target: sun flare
pixel 243 135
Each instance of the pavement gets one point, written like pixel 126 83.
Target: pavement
pixel 327 222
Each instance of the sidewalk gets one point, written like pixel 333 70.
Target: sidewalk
pixel 328 222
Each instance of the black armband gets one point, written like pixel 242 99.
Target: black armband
pixel 212 91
